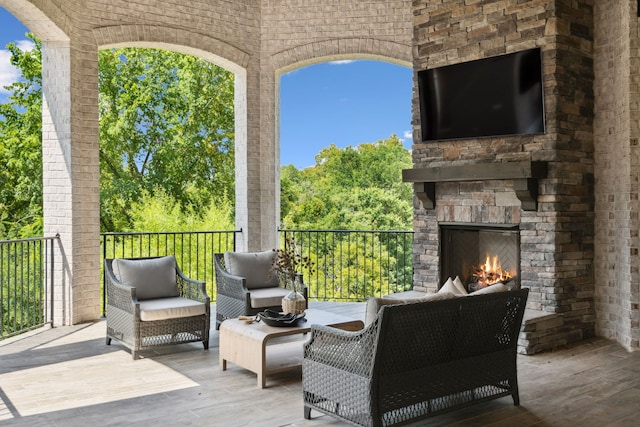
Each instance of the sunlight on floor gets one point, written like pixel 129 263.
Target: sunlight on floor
pixel 58 386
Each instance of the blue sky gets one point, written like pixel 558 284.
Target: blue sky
pixel 344 103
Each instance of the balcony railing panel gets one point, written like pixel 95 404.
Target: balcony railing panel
pixel 352 265
pixel 26 285
pixel 349 265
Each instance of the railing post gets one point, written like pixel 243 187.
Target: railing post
pixel 103 237
pixel 51 278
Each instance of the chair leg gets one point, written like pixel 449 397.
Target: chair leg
pixel 108 340
pixel 516 399
pixel 206 345
pixel 515 393
pixel 307 413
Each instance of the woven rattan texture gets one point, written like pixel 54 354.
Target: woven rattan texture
pixel 233 298
pixel 416 360
pixel 123 316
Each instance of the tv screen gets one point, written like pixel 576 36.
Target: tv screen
pixel 501 95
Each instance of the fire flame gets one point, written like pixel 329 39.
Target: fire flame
pixel 491 273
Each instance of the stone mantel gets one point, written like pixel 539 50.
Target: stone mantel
pixel 524 175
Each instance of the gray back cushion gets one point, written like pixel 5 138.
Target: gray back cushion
pixel 255 267
pixel 152 278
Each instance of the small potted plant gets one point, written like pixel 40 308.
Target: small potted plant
pixel 288 263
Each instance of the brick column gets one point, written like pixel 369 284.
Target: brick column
pixel 71 197
pixel 56 155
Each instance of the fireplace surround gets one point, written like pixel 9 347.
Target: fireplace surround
pixel 466 248
pixel 540 185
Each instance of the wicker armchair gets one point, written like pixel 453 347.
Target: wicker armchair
pixel 151 303
pixel 249 286
pixel 415 360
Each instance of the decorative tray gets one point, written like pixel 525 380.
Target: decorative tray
pixel 273 318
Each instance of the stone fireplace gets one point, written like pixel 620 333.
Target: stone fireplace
pixel 480 255
pixel 537 187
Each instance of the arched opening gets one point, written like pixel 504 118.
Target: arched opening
pixel 166 141
pixel 239 97
pixel 345 137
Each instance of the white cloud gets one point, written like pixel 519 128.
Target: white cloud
pixel 8 73
pixel 408 134
pixel 25 45
pixel 342 62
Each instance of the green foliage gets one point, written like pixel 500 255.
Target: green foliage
pixel 22 289
pixel 166 164
pixel 356 188
pixel 161 213
pixel 166 123
pixel 21 147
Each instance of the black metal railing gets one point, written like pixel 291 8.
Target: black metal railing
pixel 26 284
pixel 193 250
pixel 349 265
pixel 352 265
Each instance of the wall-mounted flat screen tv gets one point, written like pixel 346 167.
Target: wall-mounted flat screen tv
pixel 501 95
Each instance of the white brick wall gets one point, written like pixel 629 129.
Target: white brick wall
pixel 254 39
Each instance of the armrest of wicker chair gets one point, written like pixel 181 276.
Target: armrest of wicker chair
pixel 228 284
pixel 348 351
pixel 338 372
pixel 120 295
pixel 191 288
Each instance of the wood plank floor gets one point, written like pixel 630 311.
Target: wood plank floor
pixel 67 376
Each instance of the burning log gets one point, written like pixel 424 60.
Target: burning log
pixel 490 273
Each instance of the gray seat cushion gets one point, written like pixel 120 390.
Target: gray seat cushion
pixel 170 308
pixel 267 297
pixel 152 278
pixel 255 267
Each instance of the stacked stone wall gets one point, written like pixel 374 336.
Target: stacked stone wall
pixel 557 239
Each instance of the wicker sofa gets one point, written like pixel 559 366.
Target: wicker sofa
pixel 247 285
pixel 150 302
pixel 415 360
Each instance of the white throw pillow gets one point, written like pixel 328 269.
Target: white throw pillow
pixel 458 284
pixel 374 304
pixel 449 286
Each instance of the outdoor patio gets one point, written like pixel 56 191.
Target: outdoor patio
pixel 67 376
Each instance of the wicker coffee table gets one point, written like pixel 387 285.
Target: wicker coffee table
pixel 260 348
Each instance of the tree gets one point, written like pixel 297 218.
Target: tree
pixel 355 188
pixel 352 188
pixel 166 124
pixel 21 147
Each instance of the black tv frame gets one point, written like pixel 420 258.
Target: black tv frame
pixel 489 97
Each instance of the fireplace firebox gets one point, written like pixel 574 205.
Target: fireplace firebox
pixel 479 254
